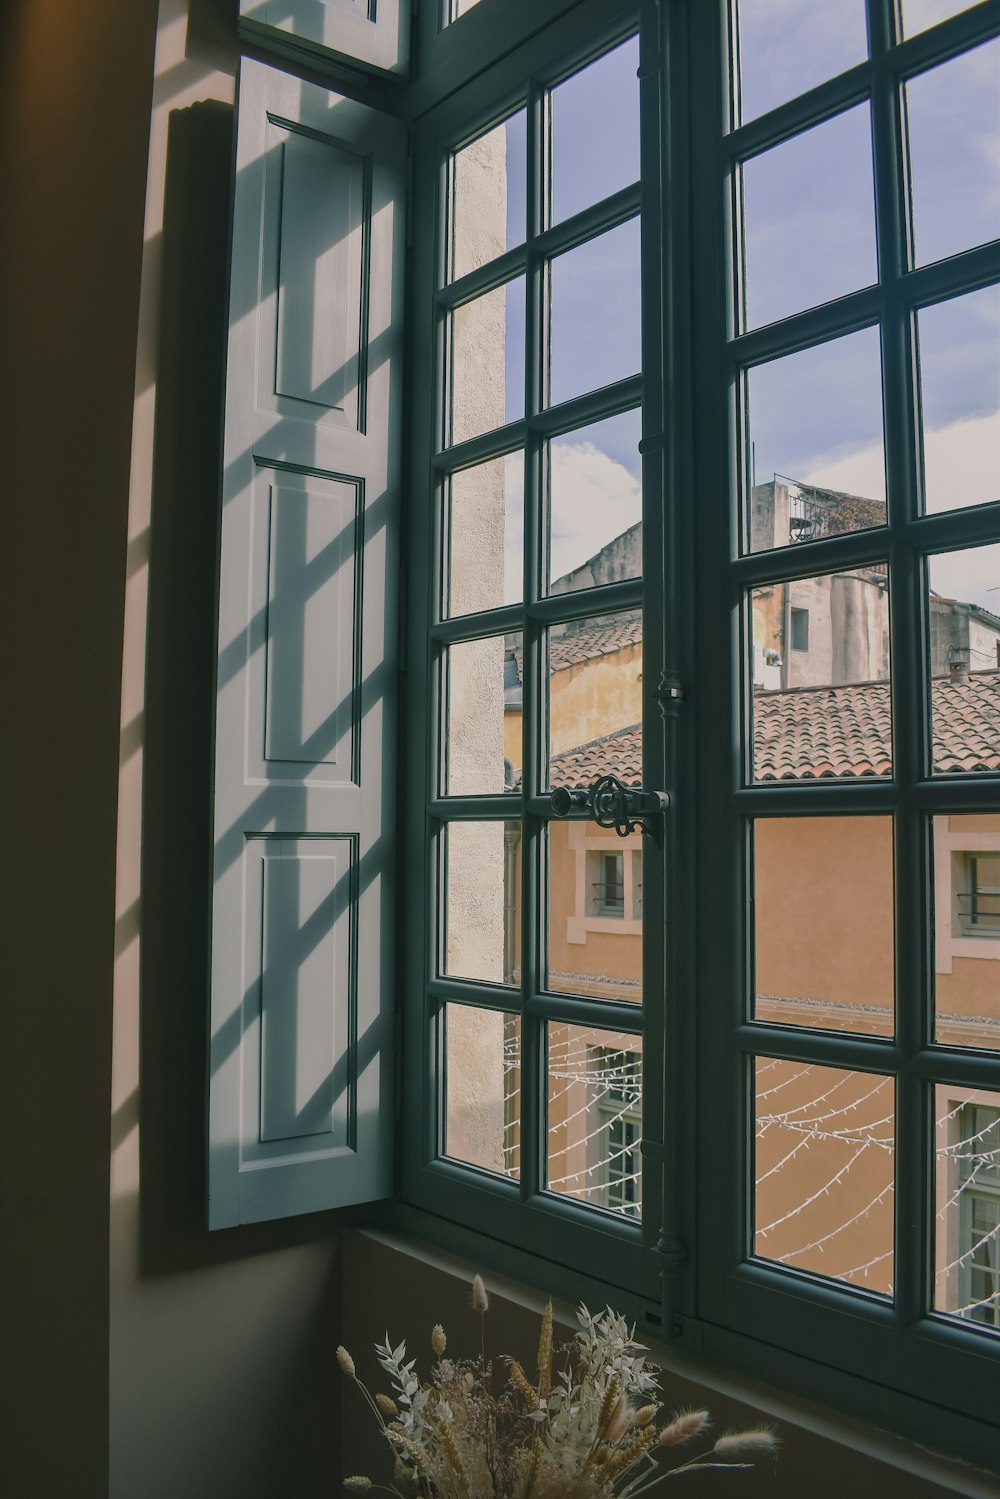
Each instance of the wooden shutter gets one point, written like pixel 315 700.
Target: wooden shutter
pixel 372 34
pixel 301 1003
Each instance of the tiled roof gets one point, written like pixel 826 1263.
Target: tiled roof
pixel 616 754
pixel 587 639
pixel 814 732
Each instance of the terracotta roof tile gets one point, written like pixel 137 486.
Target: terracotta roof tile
pixel 823 732
pixel 585 640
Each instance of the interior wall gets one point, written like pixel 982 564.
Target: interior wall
pixel 74 93
pixel 220 1344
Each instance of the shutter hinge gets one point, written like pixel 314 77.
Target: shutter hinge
pixel 397 1063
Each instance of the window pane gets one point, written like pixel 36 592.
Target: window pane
pixel 595 699
pixel 484 738
pixel 959 345
pixel 455 8
pixel 967 1221
pixel 488 203
pixel 595 504
pixel 953 123
pixel 967 929
pixel 487 376
pixel 485 565
pixel 784 49
pixel 819 677
pixel 824 1171
pixel 481 940
pixel 965 659
pixel 917 15
pixel 596 335
pixel 809 219
pixel 823 922
pixel 483 1088
pixel 595 911
pixel 816 457
pixel 595 1117
pixel 595 131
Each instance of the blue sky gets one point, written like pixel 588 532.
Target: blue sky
pixel 810 226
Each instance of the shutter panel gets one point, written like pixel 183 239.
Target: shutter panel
pixel 300 1112
pixel 372 34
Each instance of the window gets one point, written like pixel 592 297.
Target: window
pixel 610 886
pixel 979 899
pixel 695 499
pixel 816 437
pixel 800 629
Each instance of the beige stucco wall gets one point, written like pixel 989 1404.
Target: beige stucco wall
pixel 595 697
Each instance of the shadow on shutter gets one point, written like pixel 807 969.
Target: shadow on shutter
pixel 300 1098
pixel 371 34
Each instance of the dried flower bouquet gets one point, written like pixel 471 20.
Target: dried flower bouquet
pixel 589 1431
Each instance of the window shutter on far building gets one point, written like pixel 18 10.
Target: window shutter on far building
pixel 300 1055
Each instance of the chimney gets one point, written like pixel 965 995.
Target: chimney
pixel 958 663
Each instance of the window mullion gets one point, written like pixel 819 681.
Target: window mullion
pixel 913 1204
pixel 533 1106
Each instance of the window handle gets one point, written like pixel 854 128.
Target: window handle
pixel 612 804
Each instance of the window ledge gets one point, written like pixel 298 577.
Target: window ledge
pixel 401 1282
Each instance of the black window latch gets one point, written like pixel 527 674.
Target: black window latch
pixel 613 804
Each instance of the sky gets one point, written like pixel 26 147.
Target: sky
pixel 810 236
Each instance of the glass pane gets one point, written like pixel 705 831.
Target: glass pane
pixel 820 677
pixel 816 458
pixel 480 681
pixel 809 219
pixel 482 1092
pixel 917 15
pixel 595 1117
pixel 595 699
pixel 486 536
pixel 482 937
pixel 959 344
pixel 487 374
pixel 967 1222
pixel 965 659
pixel 455 8
pixel 595 505
pixel 489 200
pixel 967 929
pixel 596 335
pixel 823 912
pixel 824 1171
pixel 595 911
pixel 786 49
pixel 595 131
pixel 953 122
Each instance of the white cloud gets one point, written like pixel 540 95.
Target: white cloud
pixel 594 499
pixel 962 465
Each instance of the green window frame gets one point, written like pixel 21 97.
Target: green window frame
pixel 687 1270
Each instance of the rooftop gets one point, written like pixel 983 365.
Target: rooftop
pixel 808 733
